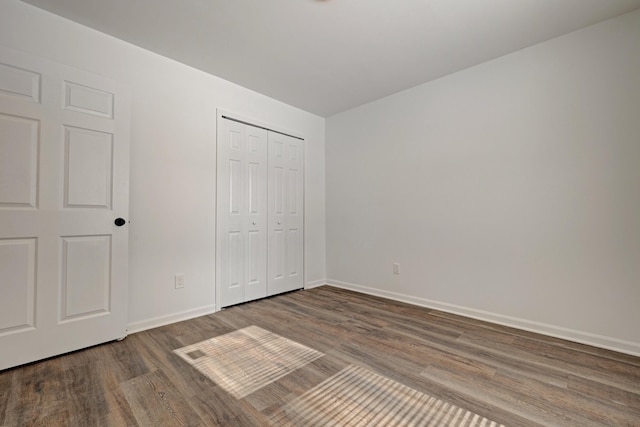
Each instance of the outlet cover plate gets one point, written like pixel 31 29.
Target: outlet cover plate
pixel 179 281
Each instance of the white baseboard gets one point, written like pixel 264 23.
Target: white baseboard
pixel 315 284
pixel 156 322
pixel 601 341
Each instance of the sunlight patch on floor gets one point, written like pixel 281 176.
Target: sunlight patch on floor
pixel 244 361
pixel 358 397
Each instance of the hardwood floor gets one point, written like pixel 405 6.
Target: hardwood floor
pixel 512 377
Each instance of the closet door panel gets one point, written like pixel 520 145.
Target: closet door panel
pixel 286 219
pixel 256 214
pixel 241 223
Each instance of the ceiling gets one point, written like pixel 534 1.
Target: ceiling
pixel 327 56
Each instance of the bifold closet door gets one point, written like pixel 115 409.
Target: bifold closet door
pixel 241 213
pixel 286 219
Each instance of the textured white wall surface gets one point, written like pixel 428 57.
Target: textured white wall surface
pixel 509 191
pixel 173 158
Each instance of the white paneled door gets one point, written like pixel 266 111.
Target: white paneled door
pixel 64 168
pixel 286 220
pixel 259 214
pixel 242 212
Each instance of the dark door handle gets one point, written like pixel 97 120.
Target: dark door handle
pixel 120 222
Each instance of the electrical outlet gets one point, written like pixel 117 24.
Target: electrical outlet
pixel 179 282
pixel 396 268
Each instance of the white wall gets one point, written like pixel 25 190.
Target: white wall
pixel 173 161
pixel 509 191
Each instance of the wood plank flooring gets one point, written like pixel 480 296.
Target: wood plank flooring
pixel 512 377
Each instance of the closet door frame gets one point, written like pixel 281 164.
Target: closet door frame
pixel 222 114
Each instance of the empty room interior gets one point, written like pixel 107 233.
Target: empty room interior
pixel 320 212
